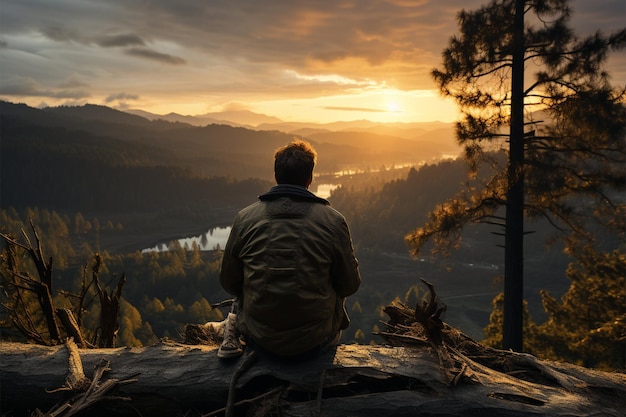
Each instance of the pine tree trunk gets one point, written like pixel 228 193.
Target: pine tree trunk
pixel 512 333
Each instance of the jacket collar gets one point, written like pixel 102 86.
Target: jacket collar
pixel 289 190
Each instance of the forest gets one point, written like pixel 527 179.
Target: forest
pixel 96 180
pixel 89 194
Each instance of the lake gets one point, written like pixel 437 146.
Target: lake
pixel 324 190
pixel 208 241
pixel 219 235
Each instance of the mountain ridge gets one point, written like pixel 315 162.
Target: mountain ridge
pixel 55 153
pixel 258 121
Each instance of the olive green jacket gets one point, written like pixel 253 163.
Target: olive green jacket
pixel 290 261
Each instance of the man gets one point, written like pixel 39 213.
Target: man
pixel 289 261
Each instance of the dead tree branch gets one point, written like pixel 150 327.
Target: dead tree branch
pixel 109 307
pixel 42 288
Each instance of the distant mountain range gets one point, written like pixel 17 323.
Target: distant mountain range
pixel 256 121
pixel 427 140
pixel 242 118
pixel 94 157
pixel 218 144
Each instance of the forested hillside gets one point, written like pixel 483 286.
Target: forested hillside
pixel 470 277
pixel 96 160
pixel 99 160
pixel 101 135
pixel 95 180
pixel 168 289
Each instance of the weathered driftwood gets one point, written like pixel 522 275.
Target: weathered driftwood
pixel 175 379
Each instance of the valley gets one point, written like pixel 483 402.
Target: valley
pixel 167 180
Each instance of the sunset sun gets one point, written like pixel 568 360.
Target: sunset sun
pixel 393 106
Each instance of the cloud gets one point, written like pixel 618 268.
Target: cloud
pixel 235 106
pixel 324 37
pixel 121 97
pixel 73 82
pixel 214 52
pixel 359 109
pixel 63 34
pixel 24 86
pixel 128 39
pixel 154 55
pixel 328 78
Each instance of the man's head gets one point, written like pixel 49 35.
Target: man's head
pixel 293 163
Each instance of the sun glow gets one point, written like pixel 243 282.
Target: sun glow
pixel 384 105
pixel 393 107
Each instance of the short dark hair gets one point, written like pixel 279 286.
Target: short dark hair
pixel 294 163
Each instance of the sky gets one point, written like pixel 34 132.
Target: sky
pixel 307 61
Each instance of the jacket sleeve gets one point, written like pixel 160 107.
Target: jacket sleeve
pixel 345 269
pixel 231 274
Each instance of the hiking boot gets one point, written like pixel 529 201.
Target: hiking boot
pixel 231 346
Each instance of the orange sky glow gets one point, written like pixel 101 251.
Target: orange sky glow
pixel 332 60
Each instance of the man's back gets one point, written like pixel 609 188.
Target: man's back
pixel 290 259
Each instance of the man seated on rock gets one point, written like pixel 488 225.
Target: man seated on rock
pixel 290 262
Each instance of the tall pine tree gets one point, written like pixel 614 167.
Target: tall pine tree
pixel 527 86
